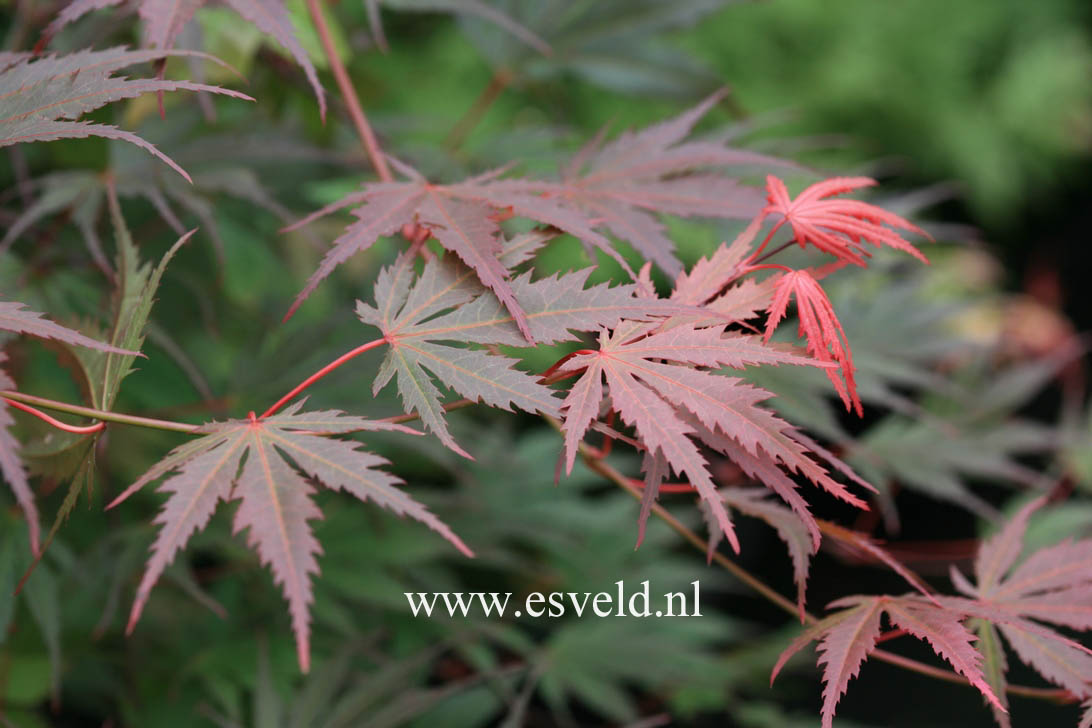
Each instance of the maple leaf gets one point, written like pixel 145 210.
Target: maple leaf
pixel 259 463
pixel 15 317
pixel 133 298
pixel 798 534
pixel 623 184
pixel 819 325
pixel 11 467
pixel 838 227
pixel 846 639
pixel 785 449
pixel 708 277
pixel 219 165
pixel 1052 585
pixel 103 366
pixel 43 97
pixel 655 385
pixel 633 176
pixel 428 321
pixel 713 284
pixel 165 19
pixel 941 458
pixel 612 44
pixel 903 340
pixel 458 216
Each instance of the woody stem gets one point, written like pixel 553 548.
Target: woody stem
pixel 348 93
pixel 104 415
pixel 500 80
pixel 608 472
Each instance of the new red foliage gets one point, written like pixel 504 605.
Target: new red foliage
pixel 838 227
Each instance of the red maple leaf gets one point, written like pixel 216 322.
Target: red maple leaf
pixel 839 227
pixel 819 325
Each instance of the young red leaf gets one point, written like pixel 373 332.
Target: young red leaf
pixel 826 341
pixel 838 227
pixel 275 503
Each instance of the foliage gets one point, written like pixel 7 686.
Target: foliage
pixel 967 99
pixel 510 301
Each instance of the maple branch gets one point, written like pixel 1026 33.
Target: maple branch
pixel 557 364
pixel 97 414
pixel 348 93
pixel 347 356
pixel 608 472
pixel 449 407
pixel 54 422
pixel 25 401
pixel 664 487
pixel 1055 694
pixel 499 81
pixel 772 253
pixel 769 237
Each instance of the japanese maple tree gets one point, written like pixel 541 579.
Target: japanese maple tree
pixel 665 365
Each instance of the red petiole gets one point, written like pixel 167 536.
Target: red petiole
pixel 54 422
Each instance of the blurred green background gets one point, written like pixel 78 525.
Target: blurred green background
pixel 981 109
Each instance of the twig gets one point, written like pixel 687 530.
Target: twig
pixel 449 407
pixel 785 604
pixel 98 414
pixel 473 116
pixel 348 93
pixel 773 252
pixel 54 422
pixel 608 472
